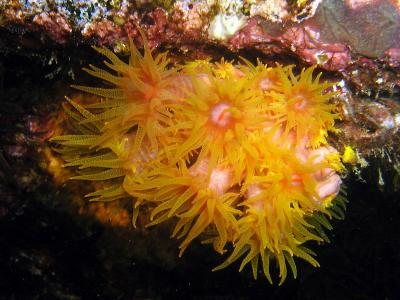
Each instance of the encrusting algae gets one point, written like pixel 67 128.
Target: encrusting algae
pixel 239 152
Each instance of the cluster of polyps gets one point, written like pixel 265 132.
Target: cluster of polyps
pixel 236 153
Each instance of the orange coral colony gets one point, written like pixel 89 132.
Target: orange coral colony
pixel 239 152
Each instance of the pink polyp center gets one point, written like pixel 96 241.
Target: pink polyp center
pixel 253 190
pixel 220 115
pixel 329 187
pixel 220 181
pixel 299 102
pixel 265 84
pixel 220 178
pixel 296 180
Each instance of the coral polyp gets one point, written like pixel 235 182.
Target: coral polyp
pixel 142 87
pixel 220 117
pixel 301 104
pixel 239 152
pixel 196 198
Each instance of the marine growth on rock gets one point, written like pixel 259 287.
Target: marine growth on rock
pixel 236 155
